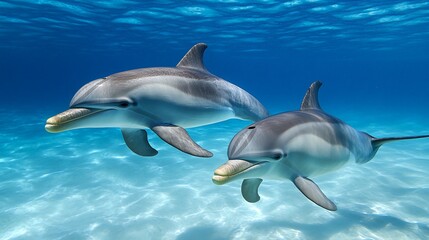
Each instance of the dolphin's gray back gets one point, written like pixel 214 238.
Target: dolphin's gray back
pixel 335 131
pixel 194 82
pixel 161 71
pixel 213 88
pixel 190 77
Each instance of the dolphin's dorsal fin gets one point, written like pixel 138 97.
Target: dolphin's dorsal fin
pixel 311 98
pixel 194 57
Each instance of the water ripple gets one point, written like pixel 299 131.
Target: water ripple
pixel 161 21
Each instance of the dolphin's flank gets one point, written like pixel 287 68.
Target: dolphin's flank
pixel 296 146
pixel 164 99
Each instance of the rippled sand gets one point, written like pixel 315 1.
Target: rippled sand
pixel 86 184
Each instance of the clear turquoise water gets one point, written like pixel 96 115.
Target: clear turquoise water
pixel 85 184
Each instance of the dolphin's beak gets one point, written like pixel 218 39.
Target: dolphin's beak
pixel 231 169
pixel 59 122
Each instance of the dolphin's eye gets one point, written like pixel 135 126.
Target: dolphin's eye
pixel 251 127
pixel 277 156
pixel 124 104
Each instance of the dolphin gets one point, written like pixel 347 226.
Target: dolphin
pixel 163 99
pixel 296 145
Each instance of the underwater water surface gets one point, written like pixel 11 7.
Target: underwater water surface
pixel 372 58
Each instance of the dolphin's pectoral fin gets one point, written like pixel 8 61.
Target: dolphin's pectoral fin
pixel 178 137
pixel 249 189
pixel 313 192
pixel 136 140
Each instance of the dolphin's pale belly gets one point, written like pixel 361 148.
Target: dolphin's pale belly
pixel 310 155
pixel 189 116
pixel 169 105
pixel 318 148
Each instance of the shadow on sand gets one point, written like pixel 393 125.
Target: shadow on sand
pixel 345 220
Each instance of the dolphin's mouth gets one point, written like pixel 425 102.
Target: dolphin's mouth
pixel 231 169
pixel 57 123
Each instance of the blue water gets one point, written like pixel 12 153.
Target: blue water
pixel 372 56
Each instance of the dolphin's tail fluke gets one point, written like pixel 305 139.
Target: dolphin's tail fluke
pixel 377 142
